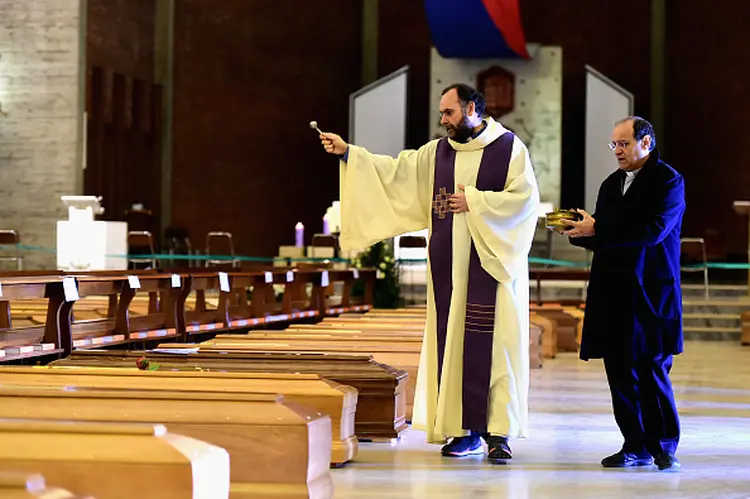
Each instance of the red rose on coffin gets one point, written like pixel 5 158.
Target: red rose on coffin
pixel 142 363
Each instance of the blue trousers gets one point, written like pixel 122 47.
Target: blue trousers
pixel 643 403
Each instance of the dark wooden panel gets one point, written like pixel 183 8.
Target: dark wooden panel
pixel 405 40
pixel 708 109
pixel 123 153
pixel 120 36
pixel 249 76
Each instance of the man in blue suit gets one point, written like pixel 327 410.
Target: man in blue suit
pixel 634 304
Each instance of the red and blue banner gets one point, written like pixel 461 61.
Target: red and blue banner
pixel 477 29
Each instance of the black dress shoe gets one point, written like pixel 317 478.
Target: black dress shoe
pixel 626 460
pixel 667 461
pixel 498 450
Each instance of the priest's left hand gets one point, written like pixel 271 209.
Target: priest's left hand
pixel 581 228
pixel 458 202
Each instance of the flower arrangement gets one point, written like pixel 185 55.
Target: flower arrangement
pixel 387 293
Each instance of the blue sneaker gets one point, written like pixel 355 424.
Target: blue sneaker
pixel 463 446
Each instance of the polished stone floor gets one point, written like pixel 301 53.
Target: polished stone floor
pixel 572 429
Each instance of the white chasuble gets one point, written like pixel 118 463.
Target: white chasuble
pixel 474 365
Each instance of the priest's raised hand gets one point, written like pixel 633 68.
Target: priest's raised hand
pixel 333 143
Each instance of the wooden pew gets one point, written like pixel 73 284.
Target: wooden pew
pixel 381 400
pixel 131 460
pixel 49 339
pixel 234 310
pixel 327 397
pixel 271 442
pixel 31 486
pixel 120 326
pixel 108 315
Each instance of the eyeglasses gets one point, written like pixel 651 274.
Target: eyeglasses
pixel 618 143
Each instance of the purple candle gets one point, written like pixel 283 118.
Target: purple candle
pixel 326 227
pixel 299 235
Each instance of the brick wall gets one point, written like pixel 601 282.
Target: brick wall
pixel 708 116
pixel 120 36
pixel 39 71
pixel 249 77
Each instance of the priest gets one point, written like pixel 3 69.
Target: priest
pixel 476 193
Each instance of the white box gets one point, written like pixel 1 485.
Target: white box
pixel 95 245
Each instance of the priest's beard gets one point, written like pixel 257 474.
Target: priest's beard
pixel 461 132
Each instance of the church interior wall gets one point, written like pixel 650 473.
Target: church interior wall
pixel 708 118
pixel 39 122
pixel 250 75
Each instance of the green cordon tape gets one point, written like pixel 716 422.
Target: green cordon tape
pixel 229 258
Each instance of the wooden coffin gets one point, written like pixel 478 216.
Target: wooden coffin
pixel 536 359
pixel 401 355
pixel 28 486
pixel 271 442
pixel 393 333
pixel 745 338
pixel 348 338
pixel 549 334
pixel 579 314
pixel 115 461
pixel 381 399
pixel 375 323
pixel 566 328
pixel 325 396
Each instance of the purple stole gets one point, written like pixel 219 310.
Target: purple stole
pixel 482 287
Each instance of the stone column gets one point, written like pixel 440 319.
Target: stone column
pixel 41 88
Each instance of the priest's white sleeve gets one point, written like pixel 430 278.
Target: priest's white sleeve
pixel 383 197
pixel 502 224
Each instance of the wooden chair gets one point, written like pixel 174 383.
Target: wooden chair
pixel 9 237
pixel 141 240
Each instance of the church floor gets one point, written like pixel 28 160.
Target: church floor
pixel 572 429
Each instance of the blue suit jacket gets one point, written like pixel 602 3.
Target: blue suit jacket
pixel 634 301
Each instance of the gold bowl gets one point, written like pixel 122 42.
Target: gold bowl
pixel 557 219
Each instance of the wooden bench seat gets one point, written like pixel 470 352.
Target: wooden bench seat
pixel 381 400
pixel 269 440
pixel 115 461
pixel 325 396
pixel 124 307
pixel 44 340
